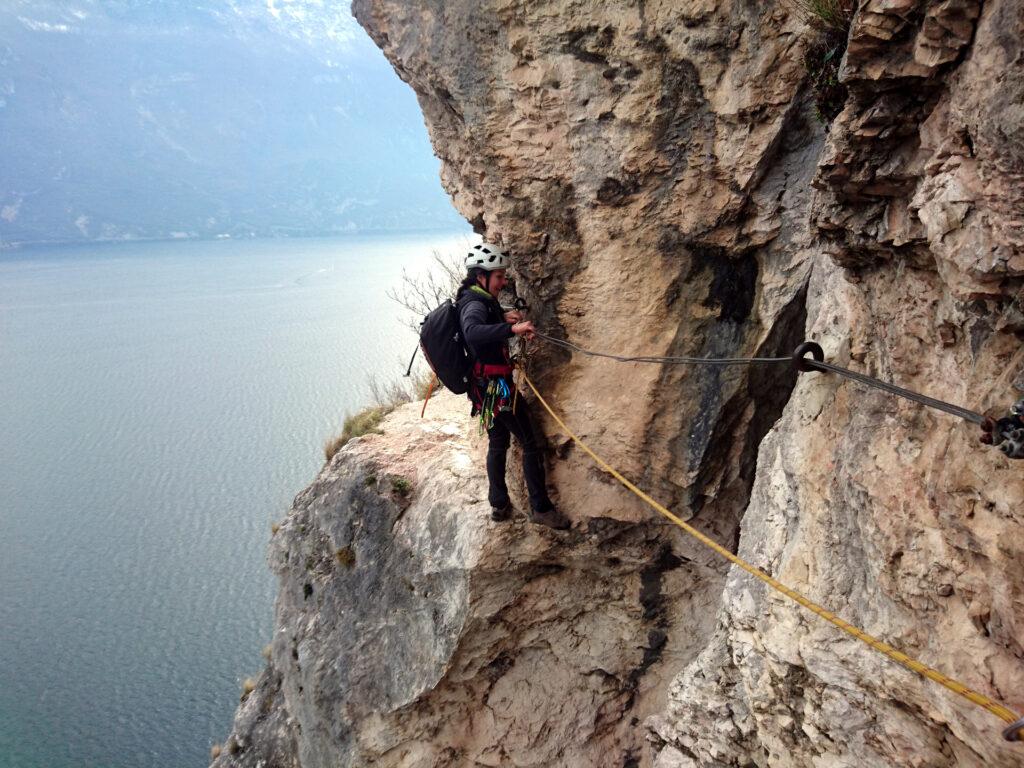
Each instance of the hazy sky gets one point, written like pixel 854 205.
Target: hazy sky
pixel 127 118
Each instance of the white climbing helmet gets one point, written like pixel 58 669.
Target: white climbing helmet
pixel 488 257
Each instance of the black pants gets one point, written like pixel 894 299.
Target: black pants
pixel 519 424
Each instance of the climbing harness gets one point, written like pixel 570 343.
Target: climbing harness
pixel 1012 732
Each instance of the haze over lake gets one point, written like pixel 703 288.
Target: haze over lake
pixel 160 405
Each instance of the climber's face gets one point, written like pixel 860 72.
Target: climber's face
pixel 493 282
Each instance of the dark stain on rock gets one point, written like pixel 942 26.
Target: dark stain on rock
pixel 769 389
pixel 614 192
pixel 733 284
pixel 653 601
pixel 498 666
pixel 651 598
pixel 681 115
pixel 589 44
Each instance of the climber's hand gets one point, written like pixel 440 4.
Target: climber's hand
pixel 513 316
pixel 524 329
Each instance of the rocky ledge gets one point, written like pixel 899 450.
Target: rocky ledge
pixel 413 630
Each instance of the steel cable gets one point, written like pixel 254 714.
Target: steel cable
pixel 931 402
pixel 805 364
pixel 666 360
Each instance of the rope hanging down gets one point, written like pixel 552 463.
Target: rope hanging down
pixel 1011 732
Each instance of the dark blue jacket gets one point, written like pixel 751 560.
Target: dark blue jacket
pixel 483 326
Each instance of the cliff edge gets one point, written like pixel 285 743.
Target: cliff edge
pixel 673 182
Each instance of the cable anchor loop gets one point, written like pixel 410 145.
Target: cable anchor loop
pixel 800 356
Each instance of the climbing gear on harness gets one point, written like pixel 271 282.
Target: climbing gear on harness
pixel 488 257
pixel 497 397
pixel 1007 433
pixel 885 649
pixel 802 364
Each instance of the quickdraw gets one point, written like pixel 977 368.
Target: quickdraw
pixel 497 397
pixel 1006 433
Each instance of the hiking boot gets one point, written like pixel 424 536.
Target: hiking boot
pixel 552 518
pixel 501 514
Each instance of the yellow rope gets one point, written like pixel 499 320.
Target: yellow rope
pixel 985 702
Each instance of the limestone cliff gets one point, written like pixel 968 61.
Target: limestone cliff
pixel 667 189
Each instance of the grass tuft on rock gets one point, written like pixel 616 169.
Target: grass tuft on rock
pixel 386 397
pixel 831 14
pixel 829 22
pixel 345 557
pixel 363 423
pixel 401 486
pixel 248 686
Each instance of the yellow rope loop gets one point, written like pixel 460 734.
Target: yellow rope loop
pixel 885 649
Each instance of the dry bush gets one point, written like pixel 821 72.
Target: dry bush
pixel 422 295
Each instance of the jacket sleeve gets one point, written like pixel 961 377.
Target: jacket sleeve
pixel 477 331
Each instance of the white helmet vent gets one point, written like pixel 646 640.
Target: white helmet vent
pixel 488 257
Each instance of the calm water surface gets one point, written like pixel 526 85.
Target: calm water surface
pixel 160 405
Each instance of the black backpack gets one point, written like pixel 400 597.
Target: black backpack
pixel 442 344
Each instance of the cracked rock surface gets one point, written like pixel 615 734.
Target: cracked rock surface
pixel 659 172
pixel 412 630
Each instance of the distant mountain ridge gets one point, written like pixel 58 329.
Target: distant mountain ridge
pixel 133 120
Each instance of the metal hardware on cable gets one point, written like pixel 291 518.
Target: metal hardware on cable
pixel 1011 733
pixel 1007 433
pixel 801 363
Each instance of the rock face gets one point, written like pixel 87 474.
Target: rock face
pixel 411 630
pixel 667 190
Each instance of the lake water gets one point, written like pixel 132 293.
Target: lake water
pixel 160 406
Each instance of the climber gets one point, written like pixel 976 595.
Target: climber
pixel 486 329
